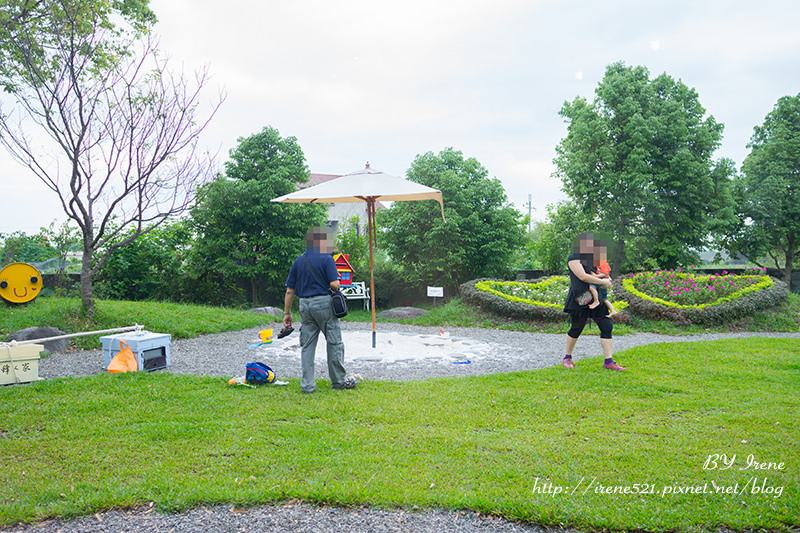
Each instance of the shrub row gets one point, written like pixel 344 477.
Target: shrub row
pixel 508 305
pixel 767 293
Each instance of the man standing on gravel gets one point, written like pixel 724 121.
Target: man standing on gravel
pixel 308 278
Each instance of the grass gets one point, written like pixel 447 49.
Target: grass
pixel 179 320
pixel 499 444
pixel 186 321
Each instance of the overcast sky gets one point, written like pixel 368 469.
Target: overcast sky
pixel 358 81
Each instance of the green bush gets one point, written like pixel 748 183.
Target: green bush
pixel 151 267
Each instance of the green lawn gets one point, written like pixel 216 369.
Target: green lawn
pixel 184 321
pixel 180 320
pixel 554 447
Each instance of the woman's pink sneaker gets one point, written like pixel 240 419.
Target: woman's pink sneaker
pixel 613 366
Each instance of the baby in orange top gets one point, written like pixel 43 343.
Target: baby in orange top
pixel 599 293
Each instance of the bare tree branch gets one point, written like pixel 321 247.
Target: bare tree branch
pixel 104 122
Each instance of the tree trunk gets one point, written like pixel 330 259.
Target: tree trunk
pixel 616 266
pixel 789 253
pixel 87 297
pixel 62 272
pixel 254 290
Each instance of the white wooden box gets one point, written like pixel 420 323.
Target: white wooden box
pixel 19 364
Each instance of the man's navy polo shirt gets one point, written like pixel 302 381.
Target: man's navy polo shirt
pixel 303 280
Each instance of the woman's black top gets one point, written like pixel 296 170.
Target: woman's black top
pixel 578 287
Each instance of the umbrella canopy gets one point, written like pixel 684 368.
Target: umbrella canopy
pixel 369 186
pixel 363 184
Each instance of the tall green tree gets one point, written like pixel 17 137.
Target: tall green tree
pixel 480 232
pixel 151 267
pixel 638 160
pixel 241 233
pixel 768 191
pixel 354 242
pixel 30 32
pixel 554 237
pixel 100 118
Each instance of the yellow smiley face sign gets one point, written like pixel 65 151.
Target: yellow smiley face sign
pixel 20 283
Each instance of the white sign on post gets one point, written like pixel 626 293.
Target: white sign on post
pixel 436 292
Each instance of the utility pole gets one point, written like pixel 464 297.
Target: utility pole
pixel 530 207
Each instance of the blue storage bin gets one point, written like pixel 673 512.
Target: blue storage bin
pixel 151 349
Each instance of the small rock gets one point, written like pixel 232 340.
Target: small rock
pixel 272 311
pixel 402 312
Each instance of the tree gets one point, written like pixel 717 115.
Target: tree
pixel 241 233
pixel 479 235
pixel 524 257
pixel 119 129
pixel 768 191
pixel 152 267
pixel 554 237
pixel 64 240
pixel 29 33
pixel 18 247
pixel 48 250
pixel 638 161
pixel 354 243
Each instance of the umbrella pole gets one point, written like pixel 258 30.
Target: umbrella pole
pixel 371 236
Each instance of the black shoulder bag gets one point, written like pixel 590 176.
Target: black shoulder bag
pixel 338 301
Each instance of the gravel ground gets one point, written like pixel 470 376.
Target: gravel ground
pixel 225 354
pixel 491 351
pixel 292 516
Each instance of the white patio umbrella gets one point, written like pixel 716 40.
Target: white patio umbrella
pixel 369 186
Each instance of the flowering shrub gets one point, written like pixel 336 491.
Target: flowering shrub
pixel 542 298
pixel 684 290
pixel 702 299
pixel 683 297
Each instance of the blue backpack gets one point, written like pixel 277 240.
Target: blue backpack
pixel 259 374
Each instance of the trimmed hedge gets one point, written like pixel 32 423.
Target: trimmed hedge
pixel 506 305
pixel 767 293
pixel 490 286
pixel 490 294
